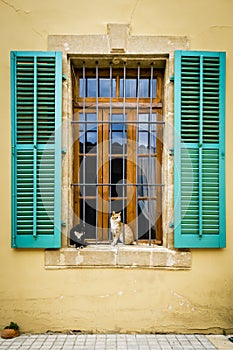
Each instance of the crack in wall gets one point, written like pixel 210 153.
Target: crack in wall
pixel 133 11
pixel 17 10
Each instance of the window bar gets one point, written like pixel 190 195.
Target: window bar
pixel 109 184
pixel 97 152
pixel 150 150
pixel 84 150
pixel 124 138
pixel 110 150
pixel 112 122
pixel 137 131
pixel 134 122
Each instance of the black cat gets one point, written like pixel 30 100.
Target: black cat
pixel 77 234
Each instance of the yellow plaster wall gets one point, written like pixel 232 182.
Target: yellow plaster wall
pixel 113 299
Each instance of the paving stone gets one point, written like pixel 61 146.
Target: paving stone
pixel 107 342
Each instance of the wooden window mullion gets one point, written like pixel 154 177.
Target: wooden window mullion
pixel 106 177
pixel 131 170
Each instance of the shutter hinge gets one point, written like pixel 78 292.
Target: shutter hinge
pixel 63 224
pixel 171 224
pixel 171 151
pixel 64 77
pixel 172 78
pixel 63 150
pixel 223 155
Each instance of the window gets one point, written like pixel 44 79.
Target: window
pixel 117 130
pixel 118 151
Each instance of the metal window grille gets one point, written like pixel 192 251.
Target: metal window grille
pixel 117 128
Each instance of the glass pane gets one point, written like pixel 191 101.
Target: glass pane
pixel 146 171
pixel 88 132
pixel 144 88
pixel 130 86
pixel 117 177
pixel 143 142
pixel 91 142
pixel 88 216
pixel 117 118
pixel 88 175
pixel 118 134
pixel 91 117
pixel 153 142
pixel 81 142
pixel 105 87
pixel 146 219
pixel 89 88
pixel 82 88
pixel 154 85
pixel 146 117
pixel 117 142
pixel 87 117
pixel 146 139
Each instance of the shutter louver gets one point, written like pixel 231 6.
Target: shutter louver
pixel 199 181
pixel 36 149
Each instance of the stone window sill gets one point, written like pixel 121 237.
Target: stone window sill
pixel 120 256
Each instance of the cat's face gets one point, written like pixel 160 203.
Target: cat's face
pixel 116 216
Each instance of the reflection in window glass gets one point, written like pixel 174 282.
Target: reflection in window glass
pixel 117 142
pixel 143 142
pixel 146 175
pixel 91 141
pixel 147 133
pixel 144 87
pixel 88 167
pixel 88 207
pixel 88 132
pixel 117 176
pixel 104 87
pixel 146 219
pixel 91 87
pixel 146 117
pixel 89 117
pixel 118 134
pixel 131 87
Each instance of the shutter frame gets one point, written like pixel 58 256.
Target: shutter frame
pixel 45 167
pixel 211 123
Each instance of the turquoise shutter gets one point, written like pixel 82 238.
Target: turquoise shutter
pixel 199 154
pixel 36 98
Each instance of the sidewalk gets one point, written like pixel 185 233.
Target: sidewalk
pixel 116 342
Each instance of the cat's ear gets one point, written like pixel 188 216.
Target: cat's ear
pixel 113 213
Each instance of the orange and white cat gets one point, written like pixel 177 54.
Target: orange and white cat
pixel 120 231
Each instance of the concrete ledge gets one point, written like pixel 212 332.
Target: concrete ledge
pixel 119 256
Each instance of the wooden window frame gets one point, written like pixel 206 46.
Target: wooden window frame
pixel 147 105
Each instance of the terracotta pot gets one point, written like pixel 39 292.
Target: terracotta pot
pixel 9 333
